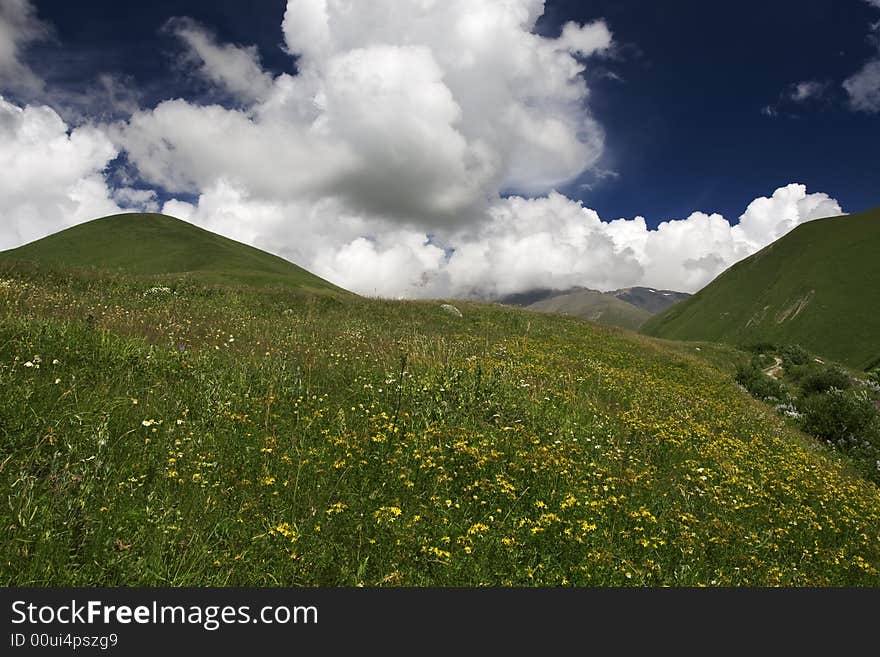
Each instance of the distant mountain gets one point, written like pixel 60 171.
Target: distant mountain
pixel 647 298
pixel 594 306
pixel 628 308
pixel 525 299
pixel 155 244
pixel 818 286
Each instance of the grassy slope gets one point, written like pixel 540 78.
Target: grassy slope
pixel 153 244
pixel 305 439
pixel 594 306
pixel 828 268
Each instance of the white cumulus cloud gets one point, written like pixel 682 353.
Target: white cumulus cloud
pixel 523 243
pixel 53 175
pixel 556 243
pixel 413 111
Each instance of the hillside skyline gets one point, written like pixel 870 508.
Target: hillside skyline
pixel 456 149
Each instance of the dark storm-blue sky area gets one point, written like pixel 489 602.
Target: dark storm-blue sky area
pixel 682 98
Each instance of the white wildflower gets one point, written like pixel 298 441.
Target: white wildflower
pixel 156 291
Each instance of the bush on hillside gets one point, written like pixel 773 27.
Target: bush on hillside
pixel 843 417
pixel 757 383
pixel 824 380
pixel 798 373
pixel 793 354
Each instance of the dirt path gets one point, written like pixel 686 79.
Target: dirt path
pixel 775 369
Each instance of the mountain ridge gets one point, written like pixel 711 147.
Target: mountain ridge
pixel 626 307
pixel 595 307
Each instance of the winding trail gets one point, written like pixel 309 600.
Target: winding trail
pixel 775 369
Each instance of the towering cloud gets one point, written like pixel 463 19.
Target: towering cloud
pixel 414 112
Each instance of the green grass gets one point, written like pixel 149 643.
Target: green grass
pixel 153 244
pixel 594 306
pixel 214 435
pixel 819 286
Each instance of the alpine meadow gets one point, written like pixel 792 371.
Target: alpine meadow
pixel 164 430
pixel 318 295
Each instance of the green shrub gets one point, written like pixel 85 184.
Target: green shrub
pixel 841 417
pixel 798 373
pixel 793 354
pixel 874 376
pixel 757 383
pixel 824 380
pixel 762 348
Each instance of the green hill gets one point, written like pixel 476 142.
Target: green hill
pixel 157 245
pixel 594 306
pixel 818 286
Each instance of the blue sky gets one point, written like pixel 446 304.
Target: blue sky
pixel 443 177
pixel 685 125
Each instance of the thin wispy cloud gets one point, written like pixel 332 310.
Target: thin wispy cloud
pixel 863 87
pixel 20 27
